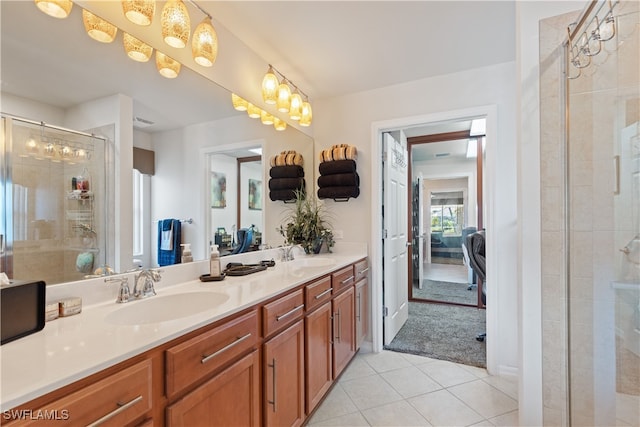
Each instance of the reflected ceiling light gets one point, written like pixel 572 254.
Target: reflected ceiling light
pixel 97 28
pixel 176 25
pixel 266 118
pixel 139 11
pixel 167 66
pixel 478 127
pixel 55 8
pixel 279 124
pixel 307 114
pixel 204 45
pixel 239 103
pixel 136 49
pixel 295 106
pixel 270 87
pixel 284 97
pixel 253 111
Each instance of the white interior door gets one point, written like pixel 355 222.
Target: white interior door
pixel 396 240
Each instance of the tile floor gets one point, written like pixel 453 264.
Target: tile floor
pixel 397 389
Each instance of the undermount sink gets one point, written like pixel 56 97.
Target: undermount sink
pixel 313 261
pixel 157 309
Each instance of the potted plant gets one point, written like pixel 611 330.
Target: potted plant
pixel 306 224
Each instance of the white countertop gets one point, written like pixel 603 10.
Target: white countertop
pixel 71 348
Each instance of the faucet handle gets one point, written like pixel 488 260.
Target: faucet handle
pixel 124 294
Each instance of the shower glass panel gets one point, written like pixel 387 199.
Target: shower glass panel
pixel 54 220
pixel 603 202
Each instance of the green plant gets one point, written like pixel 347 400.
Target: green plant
pixel 306 223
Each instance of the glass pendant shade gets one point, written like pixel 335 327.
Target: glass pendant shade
pixel 55 8
pixel 253 111
pixel 139 11
pixel 176 25
pixel 136 49
pixel 97 28
pixel 295 107
pixel 239 103
pixel 204 45
pixel 167 67
pixel 279 124
pixel 266 118
pixel 284 97
pixel 307 114
pixel 270 87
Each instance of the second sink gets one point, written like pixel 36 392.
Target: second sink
pixel 312 261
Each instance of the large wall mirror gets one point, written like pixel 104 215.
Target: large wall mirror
pixel 50 68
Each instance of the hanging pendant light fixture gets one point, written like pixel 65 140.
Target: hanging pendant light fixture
pixel 307 114
pixel 176 25
pixel 284 97
pixel 279 124
pixel 266 118
pixel 55 8
pixel 295 107
pixel 270 87
pixel 136 49
pixel 239 103
pixel 97 28
pixel 204 45
pixel 253 111
pixel 167 66
pixel 139 11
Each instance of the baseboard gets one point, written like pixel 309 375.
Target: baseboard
pixel 508 371
pixel 366 347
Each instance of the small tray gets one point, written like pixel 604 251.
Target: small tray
pixel 243 270
pixel 208 278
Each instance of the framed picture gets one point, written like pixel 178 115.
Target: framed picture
pixel 255 194
pixel 218 190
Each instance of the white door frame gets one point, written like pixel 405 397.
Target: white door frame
pixel 377 128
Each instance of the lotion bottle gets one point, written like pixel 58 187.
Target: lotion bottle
pixel 214 262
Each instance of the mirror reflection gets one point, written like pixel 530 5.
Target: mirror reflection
pixel 53 72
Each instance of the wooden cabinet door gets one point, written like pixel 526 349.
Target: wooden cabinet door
pixel 362 311
pixel 318 355
pixel 231 398
pixel 284 377
pixel 344 343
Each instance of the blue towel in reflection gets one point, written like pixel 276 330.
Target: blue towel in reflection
pixel 169 239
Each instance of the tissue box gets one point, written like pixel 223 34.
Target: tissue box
pixel 22 309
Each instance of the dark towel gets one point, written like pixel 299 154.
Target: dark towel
pixel 337 166
pixel 282 195
pixel 339 180
pixel 286 172
pixel 169 256
pixel 338 192
pixel 286 183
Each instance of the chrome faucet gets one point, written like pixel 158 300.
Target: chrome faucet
pixel 124 294
pixel 144 282
pixel 286 252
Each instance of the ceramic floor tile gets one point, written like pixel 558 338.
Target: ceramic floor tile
pixel 358 368
pixel 507 385
pixel 385 360
pixel 442 408
pixel 410 381
pixel 446 373
pixel 415 359
pixel 355 419
pixel 484 423
pixel 336 404
pixel 484 399
pixel 509 419
pixel 628 409
pixel 478 372
pixel 395 414
pixel 369 392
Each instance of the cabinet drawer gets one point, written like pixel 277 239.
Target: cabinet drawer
pixel 196 358
pixel 318 292
pixel 281 312
pixel 361 269
pixel 342 278
pixel 113 401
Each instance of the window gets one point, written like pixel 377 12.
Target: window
pixel 447 213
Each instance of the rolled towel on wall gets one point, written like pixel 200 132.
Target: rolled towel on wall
pixel 286 172
pixel 339 180
pixel 338 192
pixel 287 158
pixel 282 195
pixel 286 183
pixel 339 152
pixel 337 166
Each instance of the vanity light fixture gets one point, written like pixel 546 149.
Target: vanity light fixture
pixel 97 28
pixel 284 96
pixel 285 100
pixel 279 124
pixel 55 8
pixel 167 66
pixel 136 49
pixel 204 45
pixel 30 148
pixel 295 108
pixel 270 87
pixel 239 103
pixel 139 12
pixel 307 114
pixel 253 111
pixel 266 118
pixel 176 24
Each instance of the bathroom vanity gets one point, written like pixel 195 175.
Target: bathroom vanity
pixel 266 353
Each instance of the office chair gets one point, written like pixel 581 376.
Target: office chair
pixel 477 260
pixel 471 276
pixel 245 238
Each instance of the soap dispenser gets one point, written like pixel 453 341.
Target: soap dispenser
pixel 214 262
pixel 186 253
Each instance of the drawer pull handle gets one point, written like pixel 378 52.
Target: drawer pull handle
pixel 364 271
pixel 205 359
pixel 121 408
pixel 273 384
pixel 289 313
pixel 320 295
pixel 348 279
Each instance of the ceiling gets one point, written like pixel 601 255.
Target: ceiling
pixel 328 48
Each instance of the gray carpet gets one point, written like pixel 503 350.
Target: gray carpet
pixel 446 291
pixel 444 332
